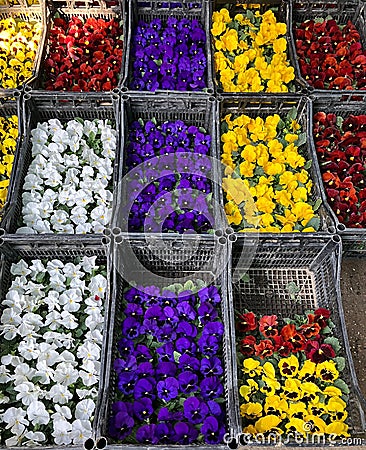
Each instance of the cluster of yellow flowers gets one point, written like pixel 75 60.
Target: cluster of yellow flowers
pixel 267 184
pixel 251 55
pixel 19 42
pixel 295 404
pixel 8 141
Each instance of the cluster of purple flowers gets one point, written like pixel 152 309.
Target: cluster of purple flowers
pixel 169 55
pixel 170 378
pixel 169 177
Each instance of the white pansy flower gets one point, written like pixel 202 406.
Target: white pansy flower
pixel 68 357
pixel 87 172
pixel 32 208
pixel 14 300
pixel 20 268
pixel 71 161
pixel 53 320
pixel 44 372
pixel 67 195
pixel 84 409
pixel 48 354
pixel 70 300
pixel 90 127
pixel 37 414
pixel 72 270
pixel 34 320
pixel 23 373
pixel 10 316
pixel 11 360
pixel 32 182
pixel 72 177
pixel 76 283
pixel 68 320
pixel 94 322
pixel 53 179
pixel 8 331
pixel 66 229
pixel 94 336
pixel 75 128
pixel 34 438
pixel 37 267
pixel 25 230
pixel 53 125
pixel 31 220
pixel 81 431
pixel 101 214
pixel 87 393
pixel 62 432
pixel 35 289
pixel 28 348
pixel 62 413
pixel 98 285
pixel 65 374
pixel 32 196
pixel 61 136
pixel 27 392
pixel 4 374
pixel 88 263
pixel 54 267
pixel 42 226
pixel 13 416
pixel 88 351
pixel 59 394
pixel 18 284
pixel 27 330
pixel 79 215
pixel 45 209
pixel 51 300
pixel 59 217
pixel 84 197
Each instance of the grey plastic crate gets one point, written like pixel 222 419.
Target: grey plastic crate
pixel 13 249
pixel 66 9
pixel 339 10
pixel 152 9
pixel 313 264
pixel 342 104
pixel 192 109
pixel 162 263
pixel 40 107
pixel 282 13
pixel 263 106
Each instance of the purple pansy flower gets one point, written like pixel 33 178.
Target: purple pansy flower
pixel 145 370
pixel 143 408
pixel 212 430
pixel 168 389
pixel 144 388
pixel 164 433
pixel 195 410
pixel 125 365
pixel 121 425
pixel 146 434
pixel 213 329
pixel 185 433
pixel 131 327
pixel 211 388
pixel 209 294
pixel 207 313
pixel 188 382
pixel 187 362
pixel 208 345
pixel 211 367
pixel 126 382
pixel 165 370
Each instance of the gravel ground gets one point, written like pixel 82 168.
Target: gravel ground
pixel 353 287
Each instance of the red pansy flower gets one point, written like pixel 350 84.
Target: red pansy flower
pixel 290 334
pixel 264 348
pixel 246 322
pixel 268 326
pixel 283 348
pixel 310 330
pixel 247 346
pixel 319 353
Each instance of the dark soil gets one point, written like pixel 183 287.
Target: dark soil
pixel 353 285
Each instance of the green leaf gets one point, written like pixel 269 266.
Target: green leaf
pixel 301 140
pixel 334 342
pixel 220 400
pixel 281 125
pixel 176 355
pixel 317 204
pixel 318 20
pixel 292 288
pixel 189 285
pixel 158 62
pixel 314 222
pixel 200 284
pixel 250 15
pixel 245 278
pixel 292 114
pixel 40 277
pixel 326 330
pixel 308 164
pixel 340 384
pixel 339 121
pixel 259 171
pixel 341 363
pixel 202 130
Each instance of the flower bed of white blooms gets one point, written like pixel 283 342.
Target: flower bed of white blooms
pixel 51 337
pixel 68 188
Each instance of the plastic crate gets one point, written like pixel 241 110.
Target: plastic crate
pixel 147 262
pixel 66 9
pixel 37 12
pixel 41 107
pixel 339 10
pixel 13 250
pixel 282 14
pixel 263 106
pixel 342 104
pixel 10 104
pixel 191 109
pixel 313 264
pixel 154 9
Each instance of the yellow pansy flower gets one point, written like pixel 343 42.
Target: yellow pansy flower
pixel 310 391
pixel 247 169
pixel 336 408
pixel 307 371
pixel 292 390
pixel 233 213
pixel 296 426
pixel 265 205
pixel 250 429
pixel 221 61
pixel 297 410
pixel 267 423
pixel 279 45
pixel 300 194
pixel 332 391
pixel 229 40
pixel 289 366
pixel 284 198
pixel 266 219
pixel 314 424
pixel 276 405
pixel 337 428
pixel 251 410
pixel 317 409
pixel 271 386
pixel 327 371
pixel 252 367
pixel 248 389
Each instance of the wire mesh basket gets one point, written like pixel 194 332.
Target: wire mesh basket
pixel 263 106
pixel 10 104
pixel 193 110
pixel 281 10
pixel 84 9
pixel 342 105
pixel 340 10
pixel 41 107
pixel 260 285
pixel 145 262
pixel 156 9
pixel 12 250
pixel 36 12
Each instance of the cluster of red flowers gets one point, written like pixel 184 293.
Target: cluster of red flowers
pixel 263 337
pixel 331 56
pixel 83 56
pixel 341 149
